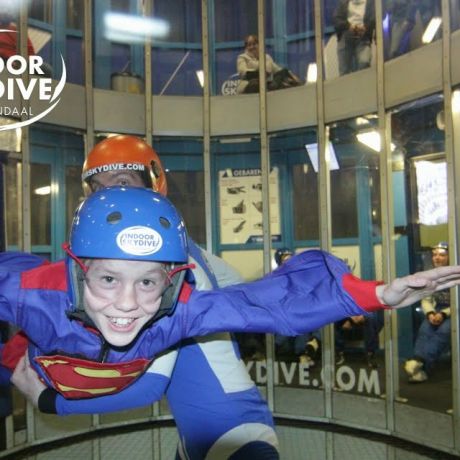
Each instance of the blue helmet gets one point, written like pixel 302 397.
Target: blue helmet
pixel 281 253
pixel 129 223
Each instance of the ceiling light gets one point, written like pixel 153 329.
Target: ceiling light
pixel 125 28
pixel 431 29
pixel 371 139
pixel 456 101
pixel 312 72
pixel 200 76
pixel 46 190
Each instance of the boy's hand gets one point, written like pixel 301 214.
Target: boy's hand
pixel 26 380
pixel 407 290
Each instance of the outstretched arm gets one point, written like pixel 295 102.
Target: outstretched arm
pixel 407 290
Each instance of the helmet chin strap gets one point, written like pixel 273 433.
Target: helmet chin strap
pixel 170 295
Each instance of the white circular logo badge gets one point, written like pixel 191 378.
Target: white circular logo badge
pixel 139 241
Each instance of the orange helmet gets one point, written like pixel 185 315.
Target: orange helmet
pixel 124 152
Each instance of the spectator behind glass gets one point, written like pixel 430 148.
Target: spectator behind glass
pixel 402 21
pixel 433 337
pixel 247 66
pixel 9 40
pixel 354 23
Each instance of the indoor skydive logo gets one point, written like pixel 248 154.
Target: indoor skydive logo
pixel 15 89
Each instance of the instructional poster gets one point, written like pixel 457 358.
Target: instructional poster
pixel 240 199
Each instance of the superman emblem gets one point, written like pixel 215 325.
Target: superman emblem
pixel 79 378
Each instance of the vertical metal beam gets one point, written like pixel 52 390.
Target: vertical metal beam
pixel 324 208
pixel 26 202
pixel 452 144
pixel 25 145
pixel 263 131
pixel 206 124
pixel 89 107
pixel 265 177
pixel 88 77
pixel 148 101
pixel 386 199
pixel 148 96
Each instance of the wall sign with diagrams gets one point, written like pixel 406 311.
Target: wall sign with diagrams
pixel 240 205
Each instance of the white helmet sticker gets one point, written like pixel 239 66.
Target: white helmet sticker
pixel 139 241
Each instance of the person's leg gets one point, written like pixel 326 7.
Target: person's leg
pixel 372 326
pixel 362 54
pixel 345 54
pixel 422 345
pixel 438 341
pixel 218 410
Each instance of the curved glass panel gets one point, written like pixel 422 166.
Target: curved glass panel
pixel 289 48
pixel 238 194
pixel 177 66
pixel 74 41
pixel 409 24
pixel 420 190
pixel 233 21
pixel 118 53
pixel 355 211
pixel 297 359
pixel 454 14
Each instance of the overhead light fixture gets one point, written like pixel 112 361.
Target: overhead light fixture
pixel 200 76
pixel 362 121
pixel 371 139
pixel 128 28
pixel 330 156
pixel 456 101
pixel 235 140
pixel 431 29
pixel 46 190
pixel 312 72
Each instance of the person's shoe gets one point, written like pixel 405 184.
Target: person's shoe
pixel 307 360
pixel 371 361
pixel 418 377
pixel 312 347
pixel 339 358
pixel 412 367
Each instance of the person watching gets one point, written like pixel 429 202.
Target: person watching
pixel 433 336
pixel 247 66
pixel 354 23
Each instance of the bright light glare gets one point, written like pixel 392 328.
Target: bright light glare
pixel 312 73
pixel 200 76
pixel 371 139
pixel 43 190
pixel 361 121
pixel 456 101
pixel 432 192
pixel 126 28
pixel 431 29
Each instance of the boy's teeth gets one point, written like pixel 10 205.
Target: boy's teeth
pixel 121 321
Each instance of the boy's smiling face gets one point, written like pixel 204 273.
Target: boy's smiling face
pixel 121 296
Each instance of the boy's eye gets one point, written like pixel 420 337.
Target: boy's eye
pixel 149 283
pixel 108 279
